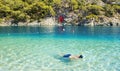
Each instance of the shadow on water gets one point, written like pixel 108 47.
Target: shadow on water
pixel 61 58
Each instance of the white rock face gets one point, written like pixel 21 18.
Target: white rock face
pixel 33 23
pixel 48 21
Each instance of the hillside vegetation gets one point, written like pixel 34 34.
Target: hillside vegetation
pixel 32 10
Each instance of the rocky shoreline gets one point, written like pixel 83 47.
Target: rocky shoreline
pixel 46 21
pixel 52 21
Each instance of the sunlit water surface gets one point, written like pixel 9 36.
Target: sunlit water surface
pixel 40 48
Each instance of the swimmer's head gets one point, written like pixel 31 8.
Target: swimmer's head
pixel 81 56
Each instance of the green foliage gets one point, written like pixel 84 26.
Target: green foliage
pixel 57 2
pixel 74 4
pixel 81 2
pixel 37 10
pixel 92 16
pixel 23 10
pixel 32 1
pixel 52 11
pixel 1 20
pixel 56 6
pixel 4 11
pixel 117 8
pixel 109 10
pixel 94 9
pixel 84 8
pixel 110 1
pixel 48 2
pixel 17 15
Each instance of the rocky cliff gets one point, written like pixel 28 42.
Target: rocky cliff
pixel 47 12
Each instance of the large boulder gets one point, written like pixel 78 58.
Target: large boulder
pixel 48 21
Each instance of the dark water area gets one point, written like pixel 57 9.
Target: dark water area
pixel 62 31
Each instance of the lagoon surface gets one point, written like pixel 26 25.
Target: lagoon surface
pixel 31 48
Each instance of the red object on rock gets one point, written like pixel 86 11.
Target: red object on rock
pixel 60 19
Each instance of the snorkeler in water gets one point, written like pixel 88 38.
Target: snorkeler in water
pixel 72 56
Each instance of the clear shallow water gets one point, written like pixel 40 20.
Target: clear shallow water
pixel 39 48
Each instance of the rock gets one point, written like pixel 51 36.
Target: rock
pixel 33 23
pixel 48 21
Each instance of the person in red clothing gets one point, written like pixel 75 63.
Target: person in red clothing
pixel 60 19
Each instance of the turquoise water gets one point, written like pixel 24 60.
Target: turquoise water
pixel 40 48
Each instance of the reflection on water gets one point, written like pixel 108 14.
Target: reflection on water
pixel 62 30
